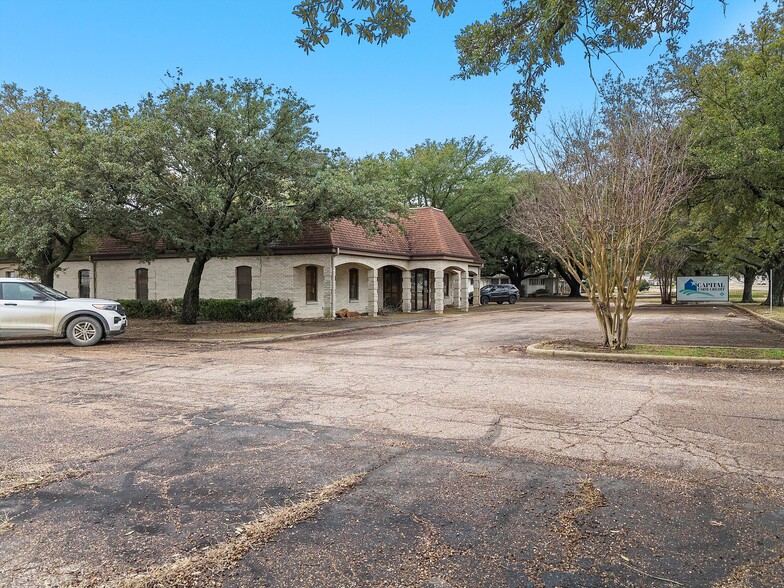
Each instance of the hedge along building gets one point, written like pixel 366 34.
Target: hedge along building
pixel 427 266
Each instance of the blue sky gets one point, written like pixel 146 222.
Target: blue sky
pixel 368 99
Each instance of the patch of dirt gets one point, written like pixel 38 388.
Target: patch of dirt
pixel 574 345
pixel 170 328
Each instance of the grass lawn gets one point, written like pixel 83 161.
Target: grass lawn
pixel 674 350
pixel 689 351
pixel 759 295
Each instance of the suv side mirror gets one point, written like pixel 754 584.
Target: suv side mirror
pixel 40 297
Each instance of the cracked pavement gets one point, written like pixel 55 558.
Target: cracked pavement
pixel 472 452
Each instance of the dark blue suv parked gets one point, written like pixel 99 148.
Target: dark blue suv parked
pixel 498 293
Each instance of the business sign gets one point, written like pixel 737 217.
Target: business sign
pixel 703 288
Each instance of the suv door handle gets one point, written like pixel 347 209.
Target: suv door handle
pixel 10 304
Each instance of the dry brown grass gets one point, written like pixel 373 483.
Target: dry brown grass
pixel 6 524
pixel 193 570
pixel 747 575
pixel 11 483
pixel 589 498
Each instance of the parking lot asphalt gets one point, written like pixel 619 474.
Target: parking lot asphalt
pixel 425 454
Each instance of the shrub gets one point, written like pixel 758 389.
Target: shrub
pixel 644 285
pixel 164 308
pixel 211 309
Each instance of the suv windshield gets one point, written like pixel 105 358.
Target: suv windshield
pixel 50 292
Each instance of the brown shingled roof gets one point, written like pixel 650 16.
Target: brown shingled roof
pixel 428 234
pixel 111 248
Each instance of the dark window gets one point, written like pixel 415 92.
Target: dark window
pixel 353 284
pixel 446 284
pixel 84 283
pixel 10 274
pixel 244 288
pixel 311 288
pixel 142 284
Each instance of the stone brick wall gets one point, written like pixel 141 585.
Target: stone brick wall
pixel 281 276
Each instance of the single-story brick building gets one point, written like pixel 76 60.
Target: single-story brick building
pixel 427 267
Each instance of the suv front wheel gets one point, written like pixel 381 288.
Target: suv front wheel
pixel 84 331
pixel 512 299
pixel 484 299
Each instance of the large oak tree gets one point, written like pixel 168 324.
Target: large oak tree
pixel 51 188
pixel 218 169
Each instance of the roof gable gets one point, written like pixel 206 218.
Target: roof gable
pixel 428 233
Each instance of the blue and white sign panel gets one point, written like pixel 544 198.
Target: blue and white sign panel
pixel 703 288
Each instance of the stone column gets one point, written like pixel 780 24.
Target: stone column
pixel 463 285
pixel 329 290
pixel 477 287
pixel 372 286
pixel 406 294
pixel 438 292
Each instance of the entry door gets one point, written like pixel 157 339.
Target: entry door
pixel 20 312
pixel 420 289
pixel 393 287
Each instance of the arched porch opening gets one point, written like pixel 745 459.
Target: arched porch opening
pixel 456 287
pixel 355 287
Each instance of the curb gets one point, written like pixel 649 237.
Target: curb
pixel 296 336
pixel 771 322
pixel 534 349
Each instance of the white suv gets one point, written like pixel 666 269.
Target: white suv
pixel 30 309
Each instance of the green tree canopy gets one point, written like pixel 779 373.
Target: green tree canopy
pixel 51 188
pixel 476 189
pixel 731 96
pixel 529 35
pixel 462 177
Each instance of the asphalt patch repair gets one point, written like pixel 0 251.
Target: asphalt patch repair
pixel 269 503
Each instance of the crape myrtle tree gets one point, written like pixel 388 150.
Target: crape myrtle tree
pixel 666 262
pixel 51 193
pixel 607 185
pixel 528 35
pixel 218 169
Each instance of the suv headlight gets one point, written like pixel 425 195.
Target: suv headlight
pixel 112 307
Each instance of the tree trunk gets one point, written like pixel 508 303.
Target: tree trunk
pixel 46 274
pixel 573 283
pixel 665 289
pixel 749 274
pixel 776 287
pixel 190 300
pixel 48 263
